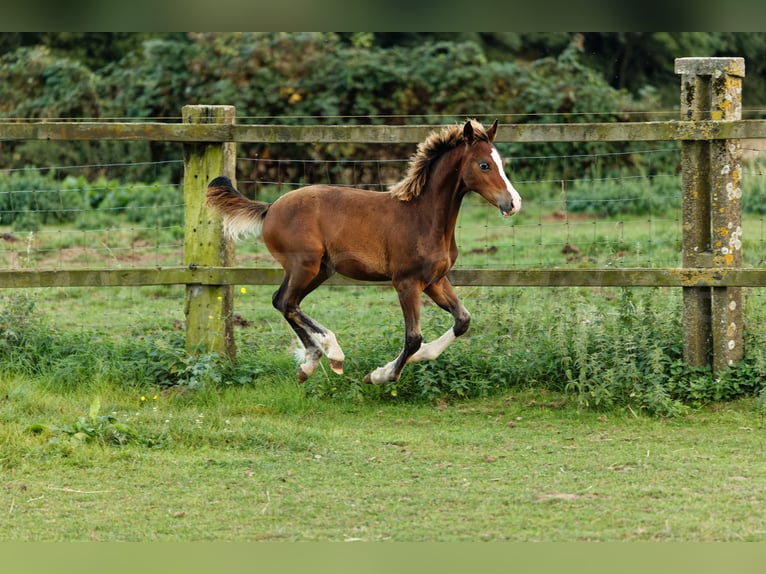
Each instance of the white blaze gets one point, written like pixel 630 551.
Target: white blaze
pixel 515 197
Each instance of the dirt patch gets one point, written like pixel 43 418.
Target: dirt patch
pixel 78 257
pixel 562 215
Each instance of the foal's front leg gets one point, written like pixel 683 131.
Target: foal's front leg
pixel 409 299
pixel 443 294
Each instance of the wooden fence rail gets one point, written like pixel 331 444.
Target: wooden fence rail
pixel 206 275
pixel 710 130
pixel 673 130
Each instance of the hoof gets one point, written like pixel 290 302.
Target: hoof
pixel 302 377
pixel 368 380
pixel 336 366
pixel 381 376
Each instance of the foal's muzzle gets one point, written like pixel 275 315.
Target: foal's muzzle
pixel 508 206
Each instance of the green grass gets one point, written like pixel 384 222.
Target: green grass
pixel 564 413
pixel 270 463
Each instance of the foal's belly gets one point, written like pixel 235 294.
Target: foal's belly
pixel 359 267
pixel 364 267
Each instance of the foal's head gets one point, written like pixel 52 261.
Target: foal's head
pixel 483 169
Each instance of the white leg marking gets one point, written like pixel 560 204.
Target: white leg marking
pixel 516 198
pixel 326 344
pixel 329 345
pixel 383 374
pixel 429 351
pixel 308 361
pixel 426 352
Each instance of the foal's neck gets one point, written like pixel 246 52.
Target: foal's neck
pixel 444 193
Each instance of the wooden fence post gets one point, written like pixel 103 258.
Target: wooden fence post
pixel 208 308
pixel 711 89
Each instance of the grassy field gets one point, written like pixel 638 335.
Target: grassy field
pixel 565 414
pixel 269 463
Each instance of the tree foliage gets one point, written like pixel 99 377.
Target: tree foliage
pixel 342 78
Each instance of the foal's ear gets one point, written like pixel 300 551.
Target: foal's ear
pixel 468 132
pixel 492 131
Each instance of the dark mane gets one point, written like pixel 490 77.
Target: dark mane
pixel 434 146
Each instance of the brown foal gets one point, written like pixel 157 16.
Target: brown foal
pixel 405 235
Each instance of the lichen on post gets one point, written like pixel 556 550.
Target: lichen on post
pixel 711 89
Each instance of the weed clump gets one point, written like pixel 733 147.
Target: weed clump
pixel 95 428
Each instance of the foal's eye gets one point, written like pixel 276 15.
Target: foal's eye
pixel 483 165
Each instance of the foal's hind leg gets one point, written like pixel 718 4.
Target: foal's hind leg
pixel 316 339
pixel 443 294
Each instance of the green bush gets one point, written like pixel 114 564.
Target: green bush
pixel 30 199
pixel 153 205
pixel 307 78
pixel 603 352
pixel 34 199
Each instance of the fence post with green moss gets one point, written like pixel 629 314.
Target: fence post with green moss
pixel 208 308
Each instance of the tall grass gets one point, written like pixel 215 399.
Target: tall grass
pixel 605 348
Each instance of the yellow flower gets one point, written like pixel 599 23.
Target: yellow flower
pixel 243 290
